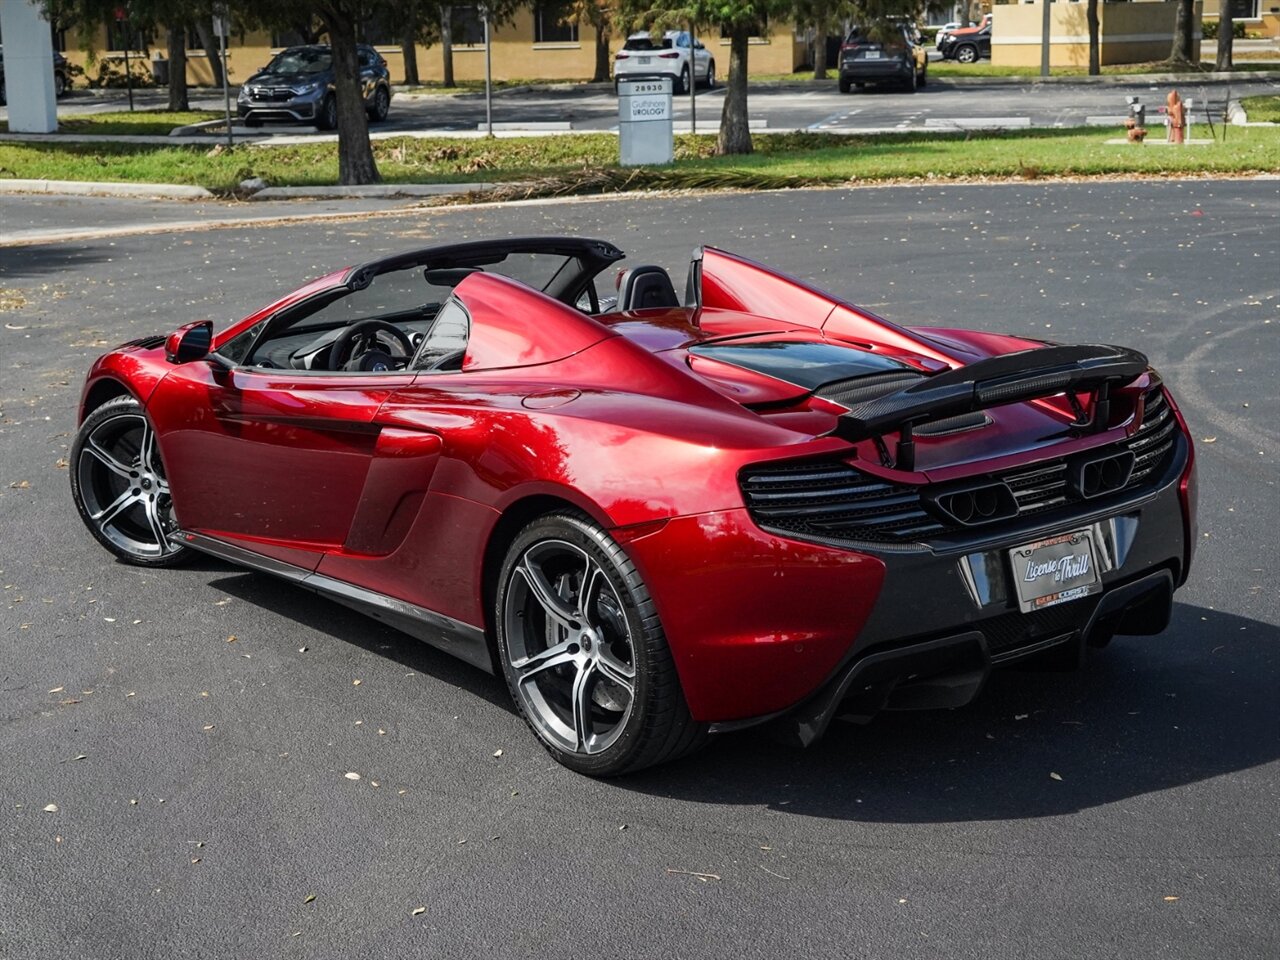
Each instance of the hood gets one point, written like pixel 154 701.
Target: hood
pixel 290 79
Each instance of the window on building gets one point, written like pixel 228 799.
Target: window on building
pixel 379 31
pixel 758 29
pixel 554 23
pixel 1244 9
pixel 468 28
pixel 121 34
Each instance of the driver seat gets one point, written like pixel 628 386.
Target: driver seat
pixel 646 287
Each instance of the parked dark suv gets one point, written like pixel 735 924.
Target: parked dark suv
pixel 893 53
pixel 297 87
pixel 969 45
pixel 61 76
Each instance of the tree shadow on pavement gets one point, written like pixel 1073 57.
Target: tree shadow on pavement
pixel 326 616
pixel 1145 714
pixel 46 259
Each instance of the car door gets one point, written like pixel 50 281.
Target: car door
pixel 368 73
pixel 984 42
pixel 702 59
pixel 277 460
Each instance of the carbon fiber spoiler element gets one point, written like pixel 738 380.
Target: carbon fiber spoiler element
pixel 1011 378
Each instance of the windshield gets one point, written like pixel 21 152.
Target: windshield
pixel 304 60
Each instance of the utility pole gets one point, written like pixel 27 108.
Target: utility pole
pixel 1046 27
pixel 220 26
pixel 693 80
pixel 488 74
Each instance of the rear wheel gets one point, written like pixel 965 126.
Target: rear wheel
pixel 119 485
pixel 845 85
pixel 684 81
pixel 584 654
pixel 711 75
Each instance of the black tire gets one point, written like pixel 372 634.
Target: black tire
pixel 381 105
pixel 685 79
pixel 967 53
pixel 711 75
pixel 59 84
pixel 119 485
pixel 913 83
pixel 613 629
pixel 327 118
pixel 845 85
pixel 924 75
pixel 253 122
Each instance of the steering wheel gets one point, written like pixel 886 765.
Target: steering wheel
pixel 363 347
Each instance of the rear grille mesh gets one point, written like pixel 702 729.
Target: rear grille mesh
pixel 835 501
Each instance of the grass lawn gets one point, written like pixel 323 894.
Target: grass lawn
pixel 1263 108
pixel 477 86
pixel 124 123
pixel 780 160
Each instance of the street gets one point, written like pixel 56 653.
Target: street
pixel 177 743
pixel 942 104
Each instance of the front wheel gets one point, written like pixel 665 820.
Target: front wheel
pixel 120 487
pixel 327 119
pixel 59 85
pixel 584 654
pixel 381 105
pixel 967 54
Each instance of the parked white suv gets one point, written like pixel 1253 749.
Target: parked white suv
pixel 641 55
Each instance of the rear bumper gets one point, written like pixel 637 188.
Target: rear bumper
pixel 873 71
pixel 762 625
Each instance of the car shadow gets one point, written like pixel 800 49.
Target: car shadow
pixel 326 616
pixel 1145 714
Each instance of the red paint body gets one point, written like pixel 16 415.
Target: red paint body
pixel 397 482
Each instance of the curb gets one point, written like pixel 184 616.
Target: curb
pixel 371 190
pixel 77 188
pixel 1235 76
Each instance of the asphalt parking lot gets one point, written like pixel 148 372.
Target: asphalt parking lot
pixel 941 104
pixel 176 743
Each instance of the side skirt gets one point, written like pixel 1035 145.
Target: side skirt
pixel 452 636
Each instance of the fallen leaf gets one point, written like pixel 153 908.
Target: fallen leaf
pixel 418 911
pixel 231 639
pixel 57 689
pixel 356 683
pixel 51 808
pixel 208 726
pixel 1055 776
pixel 1209 440
pixel 1170 899
pixel 497 753
pixel 309 898
pixel 302 649
pixel 352 776
pixel 20 485
pixel 704 877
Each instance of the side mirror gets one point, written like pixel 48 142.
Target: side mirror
pixel 191 341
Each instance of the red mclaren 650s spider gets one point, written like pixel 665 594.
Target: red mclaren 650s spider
pixel 657 517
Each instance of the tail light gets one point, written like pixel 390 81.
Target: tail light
pixel 668 56
pixel 620 56
pixel 1188 489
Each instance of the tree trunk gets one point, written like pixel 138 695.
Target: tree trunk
pixel 409 51
pixel 1226 35
pixel 1095 65
pixel 602 52
pixel 1183 32
pixel 204 29
pixel 820 53
pixel 735 134
pixel 446 45
pixel 355 153
pixel 176 41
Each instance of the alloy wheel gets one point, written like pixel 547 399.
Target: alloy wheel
pixel 569 647
pixel 123 489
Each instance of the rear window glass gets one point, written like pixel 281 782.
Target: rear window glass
pixel 646 43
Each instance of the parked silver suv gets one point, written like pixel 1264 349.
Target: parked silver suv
pixel 297 87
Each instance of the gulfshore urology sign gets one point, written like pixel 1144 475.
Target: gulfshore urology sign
pixel 645 121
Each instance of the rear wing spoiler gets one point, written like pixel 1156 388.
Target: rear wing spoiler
pixel 1011 378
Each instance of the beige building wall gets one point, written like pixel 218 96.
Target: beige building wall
pixel 1128 33
pixel 514 55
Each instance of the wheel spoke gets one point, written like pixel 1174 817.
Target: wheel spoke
pixel 551 601
pixel 581 700
pixel 593 581
pixel 148 448
pixel 615 671
pixel 117 506
pixel 528 667
pixel 107 460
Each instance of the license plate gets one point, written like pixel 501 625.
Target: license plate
pixel 871 55
pixel 643 61
pixel 1055 570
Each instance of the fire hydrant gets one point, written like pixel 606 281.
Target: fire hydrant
pixel 1177 117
